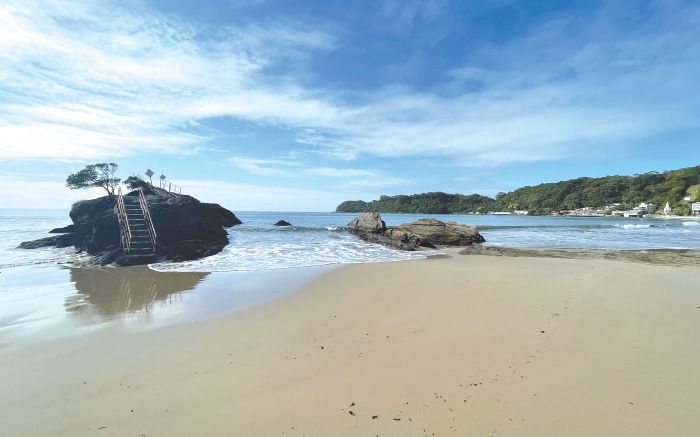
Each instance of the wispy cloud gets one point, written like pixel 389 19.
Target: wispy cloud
pixel 263 167
pixel 340 172
pixel 89 79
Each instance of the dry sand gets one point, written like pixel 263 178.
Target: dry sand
pixel 465 346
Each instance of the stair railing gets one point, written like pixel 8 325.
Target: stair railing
pixel 147 216
pixel 124 229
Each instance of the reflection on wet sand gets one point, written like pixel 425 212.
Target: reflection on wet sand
pixel 111 292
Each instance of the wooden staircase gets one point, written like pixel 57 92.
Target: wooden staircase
pixel 138 234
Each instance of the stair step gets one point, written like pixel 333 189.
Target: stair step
pixel 141 251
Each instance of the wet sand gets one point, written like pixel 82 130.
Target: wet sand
pixel 666 257
pixel 468 345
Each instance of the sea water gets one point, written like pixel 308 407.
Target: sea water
pixel 42 295
pixel 316 239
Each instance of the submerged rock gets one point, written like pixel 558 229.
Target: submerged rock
pixel 283 223
pixel 186 228
pixel 411 236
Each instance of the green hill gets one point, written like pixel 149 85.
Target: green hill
pixel 426 203
pixel 652 187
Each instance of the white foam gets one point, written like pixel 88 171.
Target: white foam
pixel 630 226
pixel 691 223
pixel 257 256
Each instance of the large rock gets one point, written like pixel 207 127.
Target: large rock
pixel 443 234
pixel 283 223
pixel 411 236
pixel 370 227
pixel 186 228
pixel 368 222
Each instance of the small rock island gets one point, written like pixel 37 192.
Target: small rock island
pixel 423 233
pixel 183 228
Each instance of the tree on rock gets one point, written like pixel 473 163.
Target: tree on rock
pixel 99 175
pixel 134 182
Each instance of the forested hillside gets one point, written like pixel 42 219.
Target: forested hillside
pixel 672 186
pixel 426 203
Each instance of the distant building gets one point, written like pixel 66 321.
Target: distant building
pixel 695 208
pixel 647 207
pixel 637 213
pixel 667 209
pixel 587 212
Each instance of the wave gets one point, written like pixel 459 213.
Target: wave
pixel 272 229
pixel 635 226
pixel 565 227
pixel 691 223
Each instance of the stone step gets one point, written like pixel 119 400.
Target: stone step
pixel 141 251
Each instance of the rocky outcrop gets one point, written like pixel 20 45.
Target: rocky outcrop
pixel 186 228
pixel 64 230
pixel 370 227
pixel 443 234
pixel 283 223
pixel 412 236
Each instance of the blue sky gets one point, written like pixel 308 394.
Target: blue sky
pixel 279 105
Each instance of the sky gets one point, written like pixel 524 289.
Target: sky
pixel 296 106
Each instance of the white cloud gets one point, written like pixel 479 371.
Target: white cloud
pixel 263 167
pixel 45 194
pixel 249 197
pixel 91 80
pixel 340 172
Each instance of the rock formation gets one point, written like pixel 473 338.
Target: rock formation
pixel 186 228
pixel 443 234
pixel 283 223
pixel 411 236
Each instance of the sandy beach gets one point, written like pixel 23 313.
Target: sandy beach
pixel 461 345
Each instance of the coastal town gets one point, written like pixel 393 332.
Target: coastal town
pixel 644 209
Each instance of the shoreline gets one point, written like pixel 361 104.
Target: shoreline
pixel 459 345
pixel 665 257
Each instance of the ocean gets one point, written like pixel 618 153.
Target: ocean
pixel 322 239
pixel 42 296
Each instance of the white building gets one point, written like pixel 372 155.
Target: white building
pixel 667 209
pixel 647 207
pixel 695 208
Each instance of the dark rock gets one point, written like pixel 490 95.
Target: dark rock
pixel 42 242
pixel 186 228
pixel 64 230
pixel 283 223
pixel 54 241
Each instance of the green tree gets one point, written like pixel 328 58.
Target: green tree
pixel 100 175
pixel 134 182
